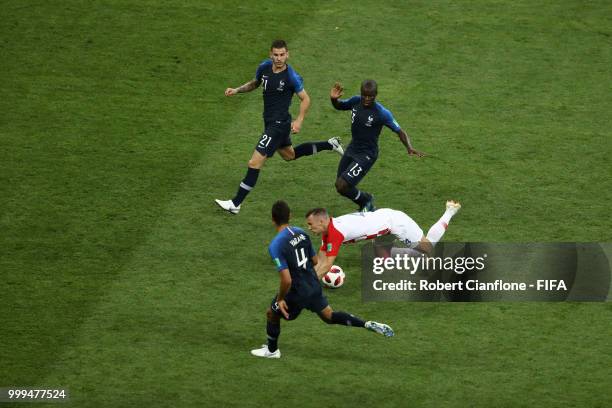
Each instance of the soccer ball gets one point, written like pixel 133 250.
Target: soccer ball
pixel 334 278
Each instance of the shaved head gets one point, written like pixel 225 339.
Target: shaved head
pixel 317 220
pixel 370 87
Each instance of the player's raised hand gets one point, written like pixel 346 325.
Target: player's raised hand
pixel 231 91
pixel 336 91
pixel 282 305
pixel 414 152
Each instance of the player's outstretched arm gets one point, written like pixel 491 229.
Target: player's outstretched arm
pixel 248 87
pixel 323 267
pixel 405 139
pixel 296 126
pixel 320 260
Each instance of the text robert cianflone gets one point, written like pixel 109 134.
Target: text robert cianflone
pixel 470 285
pixel 414 263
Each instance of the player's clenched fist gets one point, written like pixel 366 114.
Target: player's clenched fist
pixel 336 91
pixel 230 91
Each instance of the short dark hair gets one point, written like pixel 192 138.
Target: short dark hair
pixel 280 212
pixel 369 85
pixel 316 211
pixel 278 44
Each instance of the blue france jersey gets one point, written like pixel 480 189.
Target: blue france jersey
pixel 366 125
pixel 278 89
pixel 292 249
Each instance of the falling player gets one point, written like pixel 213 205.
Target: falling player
pixel 369 225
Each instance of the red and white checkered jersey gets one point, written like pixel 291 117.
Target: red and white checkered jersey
pixel 355 227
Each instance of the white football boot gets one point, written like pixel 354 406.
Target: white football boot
pixel 228 206
pixel 264 352
pixel 336 145
pixel 380 328
pixel 453 206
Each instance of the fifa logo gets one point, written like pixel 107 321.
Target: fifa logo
pixel 281 86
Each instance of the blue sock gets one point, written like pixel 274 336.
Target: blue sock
pixel 346 319
pixel 273 331
pixel 309 148
pixel 247 184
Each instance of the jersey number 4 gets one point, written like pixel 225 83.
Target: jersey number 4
pixel 301 260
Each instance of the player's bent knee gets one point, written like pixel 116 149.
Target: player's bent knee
pixel 257 160
pixel 326 315
pixel 325 319
pixel 287 154
pixel 425 246
pixel 341 186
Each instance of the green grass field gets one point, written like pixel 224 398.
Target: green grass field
pixel 122 281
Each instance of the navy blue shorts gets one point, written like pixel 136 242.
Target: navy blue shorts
pixel 316 302
pixel 353 170
pixel 276 135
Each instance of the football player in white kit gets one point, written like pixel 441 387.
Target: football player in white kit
pixel 348 228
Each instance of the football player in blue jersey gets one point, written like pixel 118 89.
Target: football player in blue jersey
pixel 294 258
pixel 367 119
pixel 280 81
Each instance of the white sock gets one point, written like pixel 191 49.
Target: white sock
pixel 435 233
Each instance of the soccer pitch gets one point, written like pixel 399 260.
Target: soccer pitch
pixel 122 281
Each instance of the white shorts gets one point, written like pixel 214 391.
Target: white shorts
pixel 405 228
